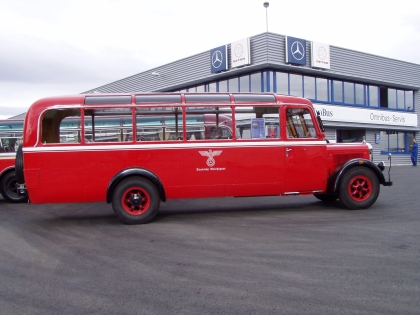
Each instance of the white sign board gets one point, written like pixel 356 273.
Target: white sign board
pixel 240 53
pixel 320 55
pixel 366 116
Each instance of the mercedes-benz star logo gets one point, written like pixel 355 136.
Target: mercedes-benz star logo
pixel 217 59
pixel 297 50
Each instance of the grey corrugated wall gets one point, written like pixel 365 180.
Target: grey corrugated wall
pixel 268 49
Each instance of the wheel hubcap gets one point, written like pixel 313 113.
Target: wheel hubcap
pixel 135 201
pixel 360 188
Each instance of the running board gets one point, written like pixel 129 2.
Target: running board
pixel 295 193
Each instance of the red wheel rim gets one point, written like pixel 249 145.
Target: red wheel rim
pixel 135 201
pixel 360 188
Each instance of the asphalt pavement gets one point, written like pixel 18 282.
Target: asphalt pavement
pixel 265 255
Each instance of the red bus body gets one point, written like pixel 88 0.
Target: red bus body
pixel 190 167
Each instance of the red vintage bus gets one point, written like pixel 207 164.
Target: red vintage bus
pixel 194 145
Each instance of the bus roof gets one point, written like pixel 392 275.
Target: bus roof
pixel 82 100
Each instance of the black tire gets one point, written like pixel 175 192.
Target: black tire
pixel 326 197
pixel 359 188
pixel 19 166
pixel 135 200
pixel 8 188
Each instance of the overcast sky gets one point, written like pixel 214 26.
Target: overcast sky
pixel 58 47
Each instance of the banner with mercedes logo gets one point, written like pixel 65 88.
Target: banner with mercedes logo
pixel 218 59
pixel 295 51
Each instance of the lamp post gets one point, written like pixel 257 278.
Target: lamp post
pixel 266 5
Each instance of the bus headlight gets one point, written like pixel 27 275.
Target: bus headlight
pixel 381 165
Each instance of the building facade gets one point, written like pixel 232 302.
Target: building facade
pixel 360 96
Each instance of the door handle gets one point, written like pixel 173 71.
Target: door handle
pixel 287 152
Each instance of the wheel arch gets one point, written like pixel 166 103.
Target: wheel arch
pixel 336 179
pixel 134 171
pixel 7 170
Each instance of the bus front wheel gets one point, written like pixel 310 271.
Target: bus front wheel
pixel 135 200
pixel 359 188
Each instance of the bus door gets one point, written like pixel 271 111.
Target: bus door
pixel 304 153
pixel 259 153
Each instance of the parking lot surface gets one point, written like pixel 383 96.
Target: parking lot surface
pixel 271 255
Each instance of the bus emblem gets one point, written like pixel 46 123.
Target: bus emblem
pixel 210 154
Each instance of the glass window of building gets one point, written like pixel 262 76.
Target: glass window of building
pixel 400 99
pixel 322 89
pixel 256 82
pixel 395 141
pixel 348 93
pixel 296 85
pixel 360 94
pixel 314 88
pixel 244 83
pixel 223 86
pixel 383 97
pixel 392 98
pixel 233 85
pixel 351 135
pixel 337 91
pixel 409 100
pixel 212 87
pixel 373 96
pixel 309 87
pixel 282 83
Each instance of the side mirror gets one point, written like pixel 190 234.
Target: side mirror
pixel 321 125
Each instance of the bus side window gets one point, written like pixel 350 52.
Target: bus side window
pixel 108 125
pixel 54 130
pixel 159 124
pixel 257 123
pixel 209 123
pixel 300 124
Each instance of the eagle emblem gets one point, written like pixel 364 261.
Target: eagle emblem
pixel 210 154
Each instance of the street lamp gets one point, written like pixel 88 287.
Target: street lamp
pixel 266 5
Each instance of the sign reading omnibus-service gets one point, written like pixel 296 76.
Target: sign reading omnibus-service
pixel 136 151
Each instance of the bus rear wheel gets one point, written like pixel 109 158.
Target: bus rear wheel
pixel 359 188
pixel 135 200
pixel 8 188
